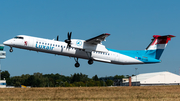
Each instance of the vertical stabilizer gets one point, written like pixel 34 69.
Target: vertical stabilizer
pixel 157 46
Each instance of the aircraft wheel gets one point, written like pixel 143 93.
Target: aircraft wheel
pixel 90 62
pixel 11 50
pixel 77 65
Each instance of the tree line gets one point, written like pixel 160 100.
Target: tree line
pixel 57 80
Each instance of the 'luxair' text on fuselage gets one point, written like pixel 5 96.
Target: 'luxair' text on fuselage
pixel 47 47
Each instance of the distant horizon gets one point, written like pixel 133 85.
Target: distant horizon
pixel 94 75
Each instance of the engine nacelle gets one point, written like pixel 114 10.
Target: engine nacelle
pixel 81 44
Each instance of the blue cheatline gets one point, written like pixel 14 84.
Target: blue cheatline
pixel 146 56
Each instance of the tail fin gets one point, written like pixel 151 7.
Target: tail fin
pixel 157 46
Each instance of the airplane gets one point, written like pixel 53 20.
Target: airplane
pixel 92 49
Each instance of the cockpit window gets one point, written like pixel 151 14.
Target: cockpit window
pixel 17 37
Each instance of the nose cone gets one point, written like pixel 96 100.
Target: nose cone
pixel 7 42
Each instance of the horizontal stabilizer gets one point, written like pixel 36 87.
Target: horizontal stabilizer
pixel 159 40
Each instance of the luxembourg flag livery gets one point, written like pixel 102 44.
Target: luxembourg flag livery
pixel 157 46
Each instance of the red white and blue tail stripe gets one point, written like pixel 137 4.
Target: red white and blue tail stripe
pixel 157 46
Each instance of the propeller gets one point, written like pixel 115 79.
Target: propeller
pixel 68 41
pixel 57 38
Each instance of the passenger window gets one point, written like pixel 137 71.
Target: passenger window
pixel 45 43
pixel 39 42
pixel 58 45
pixel 50 44
pixel 42 42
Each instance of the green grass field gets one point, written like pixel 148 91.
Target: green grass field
pixel 146 93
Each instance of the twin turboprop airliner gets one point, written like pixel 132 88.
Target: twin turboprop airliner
pixel 92 49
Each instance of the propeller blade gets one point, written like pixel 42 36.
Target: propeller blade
pixel 57 38
pixel 70 35
pixel 68 41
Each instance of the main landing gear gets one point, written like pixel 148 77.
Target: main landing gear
pixel 77 63
pixel 11 50
pixel 90 62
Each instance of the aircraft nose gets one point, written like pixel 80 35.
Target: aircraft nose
pixel 6 42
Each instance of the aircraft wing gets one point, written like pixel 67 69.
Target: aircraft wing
pixel 98 39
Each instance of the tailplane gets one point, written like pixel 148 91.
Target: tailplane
pixel 157 46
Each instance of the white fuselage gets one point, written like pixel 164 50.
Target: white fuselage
pixel 60 48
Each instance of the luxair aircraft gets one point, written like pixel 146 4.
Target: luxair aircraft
pixel 92 49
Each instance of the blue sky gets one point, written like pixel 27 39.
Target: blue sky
pixel 131 23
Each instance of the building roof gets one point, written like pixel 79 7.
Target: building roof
pixel 157 77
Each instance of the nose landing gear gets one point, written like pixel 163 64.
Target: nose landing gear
pixel 11 50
